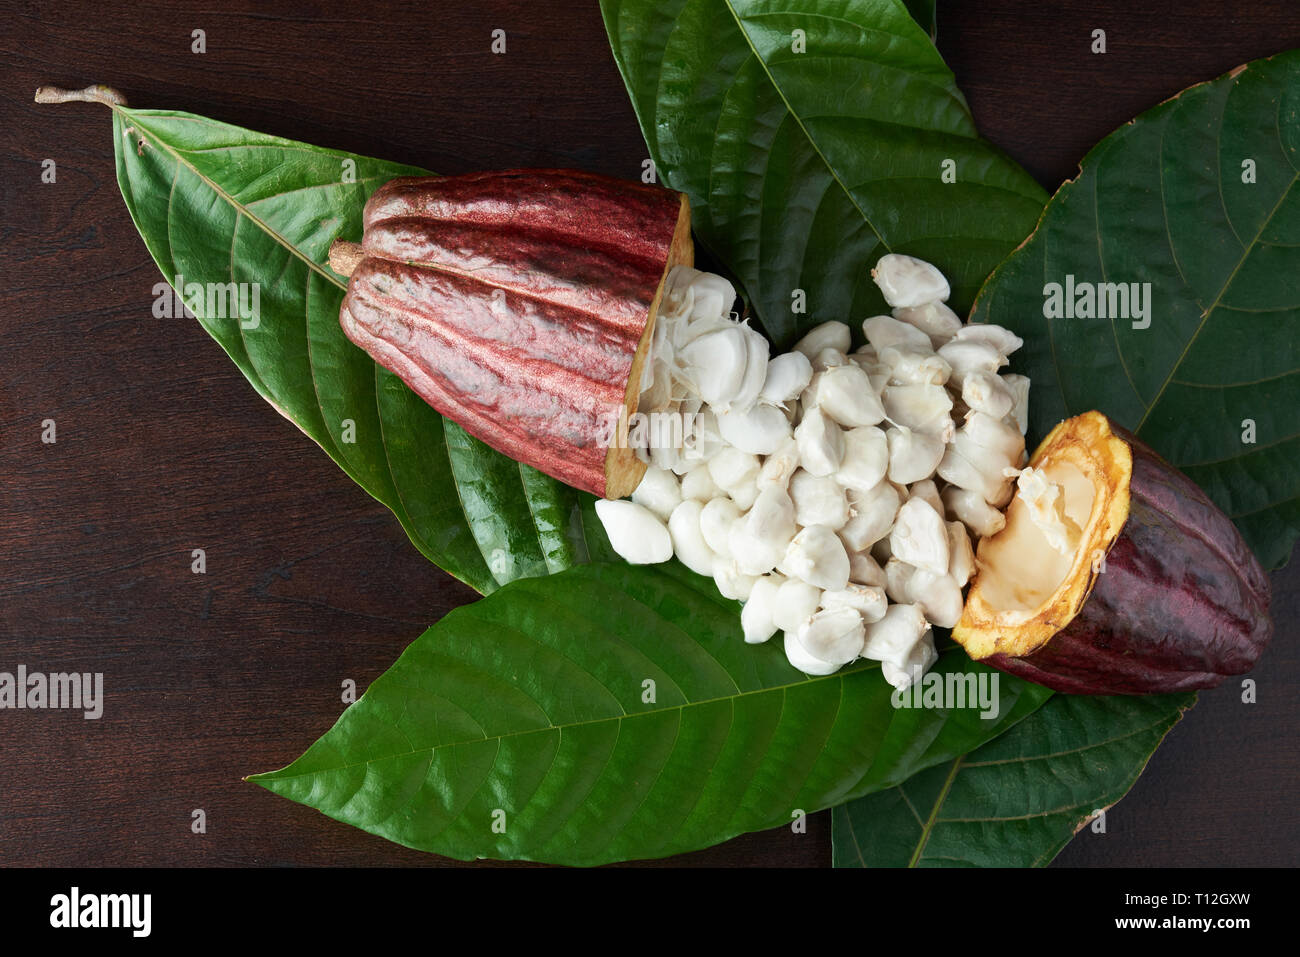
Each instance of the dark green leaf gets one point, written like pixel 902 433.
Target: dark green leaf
pixel 922 12
pixel 1167 200
pixel 530 709
pixel 804 167
pixel 1016 801
pixel 219 204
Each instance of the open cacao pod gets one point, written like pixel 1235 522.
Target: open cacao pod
pixel 1160 594
pixel 520 304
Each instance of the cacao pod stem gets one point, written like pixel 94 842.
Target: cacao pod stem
pixel 95 93
pixel 344 256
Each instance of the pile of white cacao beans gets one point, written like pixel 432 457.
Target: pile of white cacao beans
pixel 837 493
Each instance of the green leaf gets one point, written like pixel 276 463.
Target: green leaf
pixel 922 12
pixel 1168 200
pixel 219 204
pixel 614 712
pixel 805 167
pixel 1016 801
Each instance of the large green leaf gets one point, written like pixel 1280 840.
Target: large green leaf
pixel 1016 801
pixel 1197 197
pixel 529 710
pixel 219 204
pixel 803 167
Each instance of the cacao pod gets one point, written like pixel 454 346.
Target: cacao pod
pixel 520 304
pixel 1162 593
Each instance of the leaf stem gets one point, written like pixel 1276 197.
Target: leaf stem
pixel 95 93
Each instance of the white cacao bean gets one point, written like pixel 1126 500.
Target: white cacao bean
pixel 992 434
pixel 778 467
pixel 759 539
pixel 817 556
pixel 713 296
pixel 829 335
pixel 1003 340
pixel 800 659
pixel 935 319
pixel 919 537
pixel 869 601
pixel 921 408
pixel 927 492
pixel 756 617
pixel 897 576
pixel 1018 386
pixel 907 367
pixel 984 476
pixel 970 356
pixel 970 508
pixel 912 455
pixel 787 376
pixel 820 441
pixel 731 581
pixel 715 364
pixel 919 660
pixel 906 281
pixel 865 460
pixel 985 392
pixel 845 394
pixel 760 431
pixel 796 601
pixel 716 521
pixel 872 515
pixel 938 597
pixel 688 541
pixel 818 500
pixel 733 469
pixel 894 636
pixel 659 491
pixel 833 635
pixel 698 484
pixel 635 532
pixel 961 557
pixel 755 372
pixel 886 332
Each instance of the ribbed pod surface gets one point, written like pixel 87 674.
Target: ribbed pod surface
pixel 517 304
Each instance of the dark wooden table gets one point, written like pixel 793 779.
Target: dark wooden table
pixel 162 447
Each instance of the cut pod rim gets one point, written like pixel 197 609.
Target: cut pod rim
pixel 1088 444
pixel 623 469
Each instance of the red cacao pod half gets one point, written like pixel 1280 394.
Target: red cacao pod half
pixel 1161 594
pixel 520 304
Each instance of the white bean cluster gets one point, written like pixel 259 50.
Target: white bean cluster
pixel 835 493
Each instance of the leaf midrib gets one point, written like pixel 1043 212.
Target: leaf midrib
pixel 927 829
pixel 740 26
pixel 507 735
pixel 241 208
pixel 812 141
pixel 1227 283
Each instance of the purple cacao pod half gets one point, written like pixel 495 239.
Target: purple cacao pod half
pixel 1160 594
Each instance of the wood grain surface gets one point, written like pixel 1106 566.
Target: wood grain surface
pixel 162 446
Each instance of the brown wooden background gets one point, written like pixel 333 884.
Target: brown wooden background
pixel 162 447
